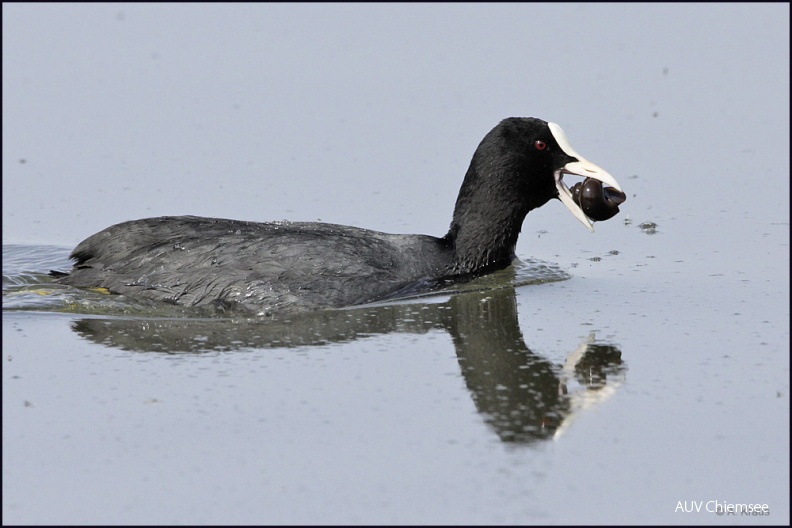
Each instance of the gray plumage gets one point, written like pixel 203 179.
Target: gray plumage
pixel 289 267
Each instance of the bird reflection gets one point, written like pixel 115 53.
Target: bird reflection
pixel 522 396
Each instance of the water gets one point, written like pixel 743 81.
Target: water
pixel 624 376
pixel 493 404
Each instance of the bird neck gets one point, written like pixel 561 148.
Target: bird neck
pixel 484 233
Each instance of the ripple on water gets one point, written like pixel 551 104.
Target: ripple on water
pixel 27 286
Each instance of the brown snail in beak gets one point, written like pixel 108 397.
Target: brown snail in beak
pixel 597 202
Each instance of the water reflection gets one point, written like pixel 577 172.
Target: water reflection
pixel 524 397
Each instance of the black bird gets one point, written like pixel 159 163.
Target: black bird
pixel 299 266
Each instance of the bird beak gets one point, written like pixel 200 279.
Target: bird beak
pixel 580 167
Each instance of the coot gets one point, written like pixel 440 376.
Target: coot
pixel 288 267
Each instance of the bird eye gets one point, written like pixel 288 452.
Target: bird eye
pixel 540 145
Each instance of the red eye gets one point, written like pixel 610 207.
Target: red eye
pixel 540 145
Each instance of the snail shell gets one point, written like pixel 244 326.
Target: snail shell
pixel 597 202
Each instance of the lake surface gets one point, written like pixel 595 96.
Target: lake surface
pixel 639 374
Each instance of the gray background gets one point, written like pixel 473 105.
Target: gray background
pixel 367 115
